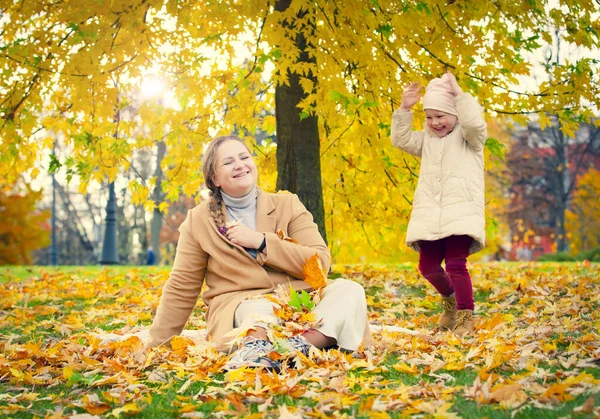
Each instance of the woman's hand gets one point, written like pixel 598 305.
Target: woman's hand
pixel 244 236
pixel 411 95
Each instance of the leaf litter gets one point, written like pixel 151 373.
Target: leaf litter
pixel 72 344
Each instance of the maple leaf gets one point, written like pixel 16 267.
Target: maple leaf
pixel 587 407
pixel 284 413
pixel 179 344
pixel 64 329
pixel 19 375
pixel 405 368
pixel 239 374
pixel 128 408
pixel 125 347
pixel 157 376
pixel 300 300
pixel 282 236
pixel 313 272
pixel 557 392
pixel 94 406
pixel 510 393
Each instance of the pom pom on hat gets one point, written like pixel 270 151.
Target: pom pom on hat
pixel 438 96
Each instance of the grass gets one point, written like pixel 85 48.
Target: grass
pixel 15 273
pixel 529 335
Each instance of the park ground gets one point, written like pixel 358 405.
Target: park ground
pixel 535 352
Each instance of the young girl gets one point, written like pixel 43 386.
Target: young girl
pixel 447 220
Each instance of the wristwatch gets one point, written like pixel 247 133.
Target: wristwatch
pixel 262 245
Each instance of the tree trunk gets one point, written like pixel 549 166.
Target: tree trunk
pixel 563 191
pixel 124 225
pixel 156 224
pixel 143 236
pixel 561 240
pixel 298 145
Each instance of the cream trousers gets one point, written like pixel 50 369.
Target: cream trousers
pixel 343 309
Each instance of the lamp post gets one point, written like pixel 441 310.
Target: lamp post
pixel 53 245
pixel 110 255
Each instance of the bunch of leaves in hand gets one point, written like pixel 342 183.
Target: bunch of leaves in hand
pixel 301 301
pixel 315 276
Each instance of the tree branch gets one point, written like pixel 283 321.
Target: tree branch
pixel 338 137
pixel 444 19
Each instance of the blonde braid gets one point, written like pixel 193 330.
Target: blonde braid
pixel 215 207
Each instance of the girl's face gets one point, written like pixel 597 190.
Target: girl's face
pixel 441 123
pixel 235 171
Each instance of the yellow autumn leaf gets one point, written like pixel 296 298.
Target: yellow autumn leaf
pixel 238 374
pixel 282 236
pixel 67 373
pixel 313 272
pixel 127 408
pixel 306 317
pixel 508 392
pixel 18 374
pixel 557 392
pixel 180 344
pixel 406 368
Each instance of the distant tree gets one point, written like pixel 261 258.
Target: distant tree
pixel 497 195
pixel 77 227
pixel 583 217
pixel 159 196
pixel 169 232
pixel 544 163
pixel 23 229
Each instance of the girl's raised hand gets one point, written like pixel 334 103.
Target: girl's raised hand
pixel 411 95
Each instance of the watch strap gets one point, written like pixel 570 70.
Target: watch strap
pixel 262 245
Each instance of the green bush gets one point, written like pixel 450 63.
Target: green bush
pixel 592 255
pixel 557 257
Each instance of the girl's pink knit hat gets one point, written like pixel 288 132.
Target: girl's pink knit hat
pixel 438 96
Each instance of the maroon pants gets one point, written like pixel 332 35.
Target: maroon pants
pixel 455 279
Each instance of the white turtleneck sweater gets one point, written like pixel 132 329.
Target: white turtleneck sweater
pixel 243 210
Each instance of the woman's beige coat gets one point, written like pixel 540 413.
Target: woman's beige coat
pixel 230 273
pixel 449 199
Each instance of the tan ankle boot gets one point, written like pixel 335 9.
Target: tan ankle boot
pixel 464 322
pixel 448 317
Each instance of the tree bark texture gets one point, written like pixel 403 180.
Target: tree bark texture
pixel 158 195
pixel 298 145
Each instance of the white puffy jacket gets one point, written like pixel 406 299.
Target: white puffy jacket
pixel 449 199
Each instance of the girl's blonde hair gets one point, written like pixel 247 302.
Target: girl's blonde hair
pixel 215 205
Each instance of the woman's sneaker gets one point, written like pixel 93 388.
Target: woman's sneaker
pixel 296 344
pixel 254 353
pixel 299 344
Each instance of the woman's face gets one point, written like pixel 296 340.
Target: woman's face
pixel 235 171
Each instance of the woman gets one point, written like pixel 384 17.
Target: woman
pixel 231 243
